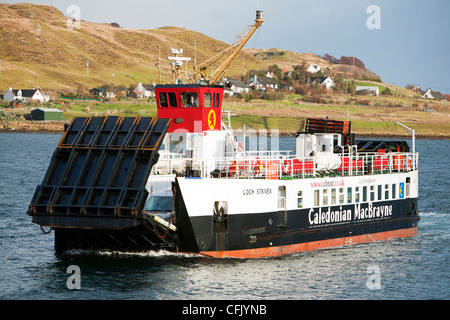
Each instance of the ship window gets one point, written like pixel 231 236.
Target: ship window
pixel 172 99
pixel 190 99
pixel 372 193
pixel 316 198
pixel 356 194
pixel 163 99
pixel 208 100
pixel 341 195
pixel 300 199
pixel 333 196
pixel 394 195
pixel 380 192
pixel 364 194
pixel 216 102
pixel 325 197
pixel 349 195
pixel 386 192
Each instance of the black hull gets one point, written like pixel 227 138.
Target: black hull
pixel 248 235
pixel 245 234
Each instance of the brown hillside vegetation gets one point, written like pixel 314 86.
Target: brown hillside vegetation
pixel 38 49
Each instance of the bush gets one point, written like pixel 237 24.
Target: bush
pixel 314 99
pixel 387 92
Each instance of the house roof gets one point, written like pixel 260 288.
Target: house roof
pixel 321 79
pixel 265 80
pixel 437 95
pixel 99 89
pixel 236 83
pixel 47 109
pixel 28 93
pixel 149 87
pixel 25 93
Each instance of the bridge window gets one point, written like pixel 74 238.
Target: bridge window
pixel 208 100
pixel 172 99
pixel 163 100
pixel 217 100
pixel 190 99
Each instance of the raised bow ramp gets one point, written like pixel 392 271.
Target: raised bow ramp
pixel 93 194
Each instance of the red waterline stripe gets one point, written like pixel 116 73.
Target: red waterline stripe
pixel 309 246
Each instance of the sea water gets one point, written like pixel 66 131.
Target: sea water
pixel 411 268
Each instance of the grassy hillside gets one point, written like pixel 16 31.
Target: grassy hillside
pixel 37 49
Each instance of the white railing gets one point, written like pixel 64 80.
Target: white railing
pixel 284 167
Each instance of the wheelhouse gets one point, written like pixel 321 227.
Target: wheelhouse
pixel 192 108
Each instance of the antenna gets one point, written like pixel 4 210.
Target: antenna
pixel 177 64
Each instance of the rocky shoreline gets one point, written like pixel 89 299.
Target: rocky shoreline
pixel 57 127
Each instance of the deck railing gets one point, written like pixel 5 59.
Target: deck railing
pixel 249 166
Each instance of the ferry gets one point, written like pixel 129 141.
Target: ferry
pixel 185 181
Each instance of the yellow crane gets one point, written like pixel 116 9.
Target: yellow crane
pixel 223 59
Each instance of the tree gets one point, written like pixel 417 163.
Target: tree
pixel 351 87
pixel 350 61
pixel 300 73
pixel 329 58
pixel 276 71
pixel 387 92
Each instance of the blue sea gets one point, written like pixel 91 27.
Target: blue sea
pixel 398 269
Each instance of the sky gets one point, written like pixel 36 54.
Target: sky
pixel 403 41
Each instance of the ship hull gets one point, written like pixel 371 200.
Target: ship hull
pixel 282 231
pixel 249 241
pixel 312 245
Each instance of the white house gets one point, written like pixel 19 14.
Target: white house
pixel 24 95
pixel 232 86
pixel 103 92
pixel 324 81
pixel 262 83
pixel 430 95
pixel 147 90
pixel 313 68
pixel 368 90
